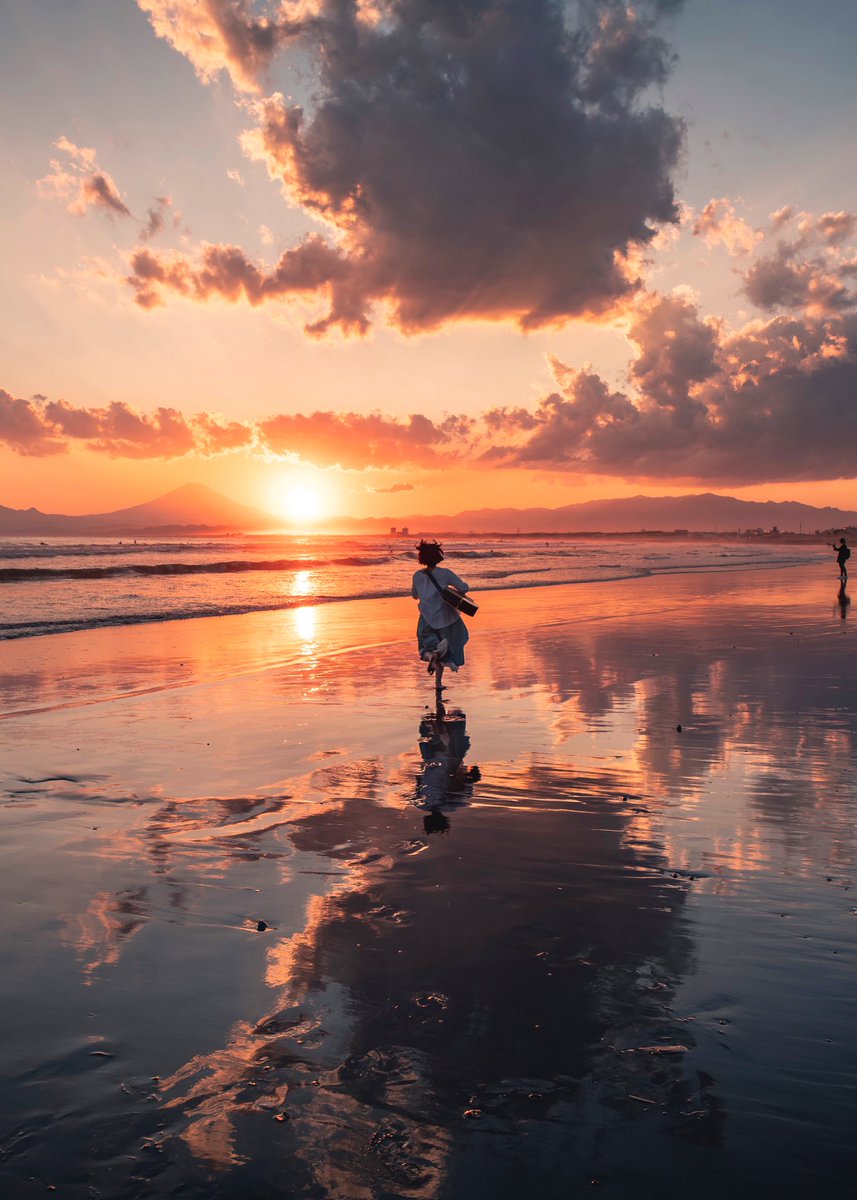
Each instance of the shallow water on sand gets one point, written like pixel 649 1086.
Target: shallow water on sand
pixel 536 944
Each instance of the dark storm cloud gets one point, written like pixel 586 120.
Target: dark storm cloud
pixel 226 273
pixel 476 159
pixel 775 401
pixel 811 270
pixel 786 278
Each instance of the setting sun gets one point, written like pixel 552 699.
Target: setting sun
pixel 299 503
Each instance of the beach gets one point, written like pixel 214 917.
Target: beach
pixel 275 926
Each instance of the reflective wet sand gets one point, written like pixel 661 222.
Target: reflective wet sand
pixel 275 926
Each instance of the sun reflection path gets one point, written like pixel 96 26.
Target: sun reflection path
pixel 305 622
pixel 303 583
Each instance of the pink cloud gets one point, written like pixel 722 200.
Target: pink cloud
pixel 41 426
pixel 772 401
pixel 354 441
pixel 156 218
pixel 392 490
pixel 80 183
pixel 357 441
pixel 23 428
pixel 719 224
pixel 225 35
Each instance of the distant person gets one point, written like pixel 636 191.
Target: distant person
pixel 441 633
pixel 842 556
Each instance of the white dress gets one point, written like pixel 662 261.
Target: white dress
pixel 433 608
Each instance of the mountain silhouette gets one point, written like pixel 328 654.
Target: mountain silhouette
pixel 704 513
pixel 192 508
pixel 197 509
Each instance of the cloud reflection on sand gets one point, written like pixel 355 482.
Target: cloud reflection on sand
pixel 526 967
pixel 364 1004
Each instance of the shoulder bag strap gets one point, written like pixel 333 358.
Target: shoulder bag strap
pixel 436 584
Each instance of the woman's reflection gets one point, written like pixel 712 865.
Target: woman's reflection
pixel 444 783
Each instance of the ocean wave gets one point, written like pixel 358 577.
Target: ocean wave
pixel 520 571
pixel 21 548
pixel 37 628
pixel 24 629
pixel 79 605
pixel 230 567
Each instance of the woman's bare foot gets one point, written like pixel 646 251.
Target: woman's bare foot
pixel 435 660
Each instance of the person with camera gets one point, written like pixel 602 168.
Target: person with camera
pixel 441 633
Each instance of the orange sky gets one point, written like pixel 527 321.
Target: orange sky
pixel 427 290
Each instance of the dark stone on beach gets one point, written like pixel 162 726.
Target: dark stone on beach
pixel 678 728
pixel 283 1116
pixel 261 926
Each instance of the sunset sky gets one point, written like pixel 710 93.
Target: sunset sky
pixel 417 256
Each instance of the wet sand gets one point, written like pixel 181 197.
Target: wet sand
pixel 541 944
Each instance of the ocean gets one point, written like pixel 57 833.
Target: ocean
pixel 62 584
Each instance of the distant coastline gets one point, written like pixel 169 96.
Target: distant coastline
pixel 195 511
pixel 203 532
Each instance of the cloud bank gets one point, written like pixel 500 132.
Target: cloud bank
pixel 471 159
pixel 773 401
pixel 357 441
pixel 812 267
pixel 40 427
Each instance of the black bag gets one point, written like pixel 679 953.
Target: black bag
pixel 454 598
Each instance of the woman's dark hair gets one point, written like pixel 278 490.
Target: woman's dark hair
pixel 429 553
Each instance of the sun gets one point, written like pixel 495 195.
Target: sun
pixel 299 503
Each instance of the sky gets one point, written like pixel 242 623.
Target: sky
pixel 389 257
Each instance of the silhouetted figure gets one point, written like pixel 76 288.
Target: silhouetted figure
pixel 842 555
pixel 441 633
pixel 444 782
